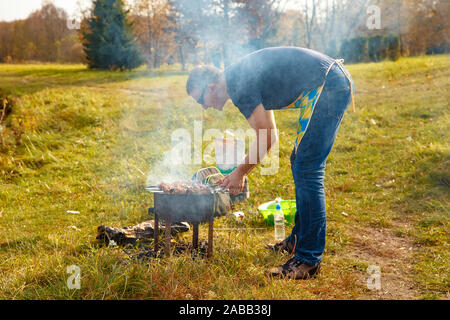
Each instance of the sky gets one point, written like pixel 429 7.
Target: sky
pixel 20 9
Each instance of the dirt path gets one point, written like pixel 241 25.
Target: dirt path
pixel 393 254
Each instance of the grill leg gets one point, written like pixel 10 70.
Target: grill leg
pixel 156 232
pixel 210 238
pixel 167 238
pixel 195 235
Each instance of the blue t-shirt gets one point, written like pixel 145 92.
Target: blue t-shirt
pixel 274 77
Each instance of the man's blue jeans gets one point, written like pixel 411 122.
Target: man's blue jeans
pixel 308 167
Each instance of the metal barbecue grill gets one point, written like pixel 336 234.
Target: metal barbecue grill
pixel 189 206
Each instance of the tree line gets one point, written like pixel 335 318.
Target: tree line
pixel 43 36
pixel 218 32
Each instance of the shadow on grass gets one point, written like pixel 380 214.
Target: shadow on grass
pixel 23 244
pixel 427 187
pixel 434 166
pixel 31 79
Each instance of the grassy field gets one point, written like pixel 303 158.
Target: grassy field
pixel 86 141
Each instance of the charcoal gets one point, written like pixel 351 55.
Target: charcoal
pixel 140 232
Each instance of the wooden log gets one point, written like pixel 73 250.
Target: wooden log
pixel 143 231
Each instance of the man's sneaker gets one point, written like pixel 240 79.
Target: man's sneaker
pixel 283 246
pixel 295 269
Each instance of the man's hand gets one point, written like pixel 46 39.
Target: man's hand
pixel 234 182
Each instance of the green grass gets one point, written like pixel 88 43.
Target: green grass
pixel 86 140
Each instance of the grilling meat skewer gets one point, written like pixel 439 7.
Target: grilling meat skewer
pixel 183 187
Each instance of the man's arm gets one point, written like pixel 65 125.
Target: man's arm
pixel 263 122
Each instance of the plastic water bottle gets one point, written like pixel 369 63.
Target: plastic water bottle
pixel 278 220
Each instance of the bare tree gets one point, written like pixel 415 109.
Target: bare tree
pixel 260 19
pixel 189 22
pixel 327 28
pixel 310 19
pixel 154 26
